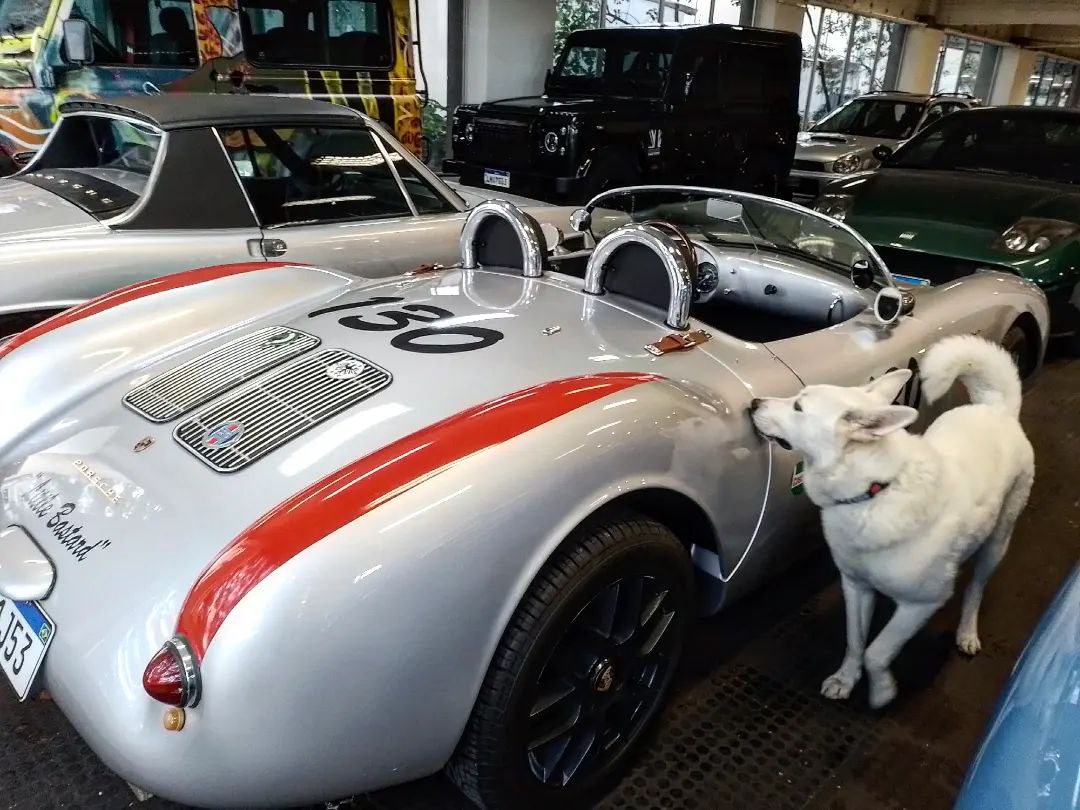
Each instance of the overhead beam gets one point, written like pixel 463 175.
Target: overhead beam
pixel 1001 12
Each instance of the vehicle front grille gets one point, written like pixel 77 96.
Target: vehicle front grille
pixel 808 165
pixel 937 269
pixel 196 382
pixel 502 144
pixel 273 410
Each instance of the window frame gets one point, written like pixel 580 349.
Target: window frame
pixel 391 32
pixel 381 143
pixel 97 35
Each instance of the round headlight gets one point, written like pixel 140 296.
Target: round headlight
pixel 551 141
pixel 470 130
pixel 846 164
pixel 1039 244
pixel 1016 240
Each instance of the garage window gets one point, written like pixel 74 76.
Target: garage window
pixel 312 175
pixel 1051 83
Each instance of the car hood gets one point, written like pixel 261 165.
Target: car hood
pixel 826 146
pixel 555 103
pixel 957 214
pixel 130 495
pixel 30 212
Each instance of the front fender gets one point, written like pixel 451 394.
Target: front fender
pixel 362 657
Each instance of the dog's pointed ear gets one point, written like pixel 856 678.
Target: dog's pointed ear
pixel 870 424
pixel 887 387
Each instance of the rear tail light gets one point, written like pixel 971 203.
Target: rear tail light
pixel 172 676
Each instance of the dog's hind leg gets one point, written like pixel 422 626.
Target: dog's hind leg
pixel 859 607
pixel 905 623
pixel 986 560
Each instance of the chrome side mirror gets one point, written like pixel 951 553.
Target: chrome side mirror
pixel 892 304
pixel 862 274
pixel 580 220
pixel 78 44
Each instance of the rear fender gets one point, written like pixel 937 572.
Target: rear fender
pixel 403 608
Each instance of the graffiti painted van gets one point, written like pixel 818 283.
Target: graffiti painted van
pixel 352 52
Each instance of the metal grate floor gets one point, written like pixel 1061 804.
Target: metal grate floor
pixel 746 727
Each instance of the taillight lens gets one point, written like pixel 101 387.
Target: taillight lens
pixel 172 676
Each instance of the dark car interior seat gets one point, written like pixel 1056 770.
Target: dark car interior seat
pixel 176 44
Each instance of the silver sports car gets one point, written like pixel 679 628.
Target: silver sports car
pixel 277 535
pixel 135 188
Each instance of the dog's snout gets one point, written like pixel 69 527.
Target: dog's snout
pixel 755 403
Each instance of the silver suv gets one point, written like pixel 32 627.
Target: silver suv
pixel 844 140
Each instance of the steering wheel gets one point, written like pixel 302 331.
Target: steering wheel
pixel 686 247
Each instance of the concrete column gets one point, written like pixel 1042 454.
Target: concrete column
pixel 782 15
pixel 507 47
pixel 1013 73
pixel 919 61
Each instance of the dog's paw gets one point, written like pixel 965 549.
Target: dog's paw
pixel 882 689
pixel 838 686
pixel 968 643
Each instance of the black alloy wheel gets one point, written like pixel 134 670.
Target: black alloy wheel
pixel 581 670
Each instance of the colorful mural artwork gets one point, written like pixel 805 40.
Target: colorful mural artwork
pixel 358 54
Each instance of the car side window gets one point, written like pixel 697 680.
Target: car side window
pixel 702 79
pixel 424 196
pixel 160 33
pixel 936 112
pixel 311 175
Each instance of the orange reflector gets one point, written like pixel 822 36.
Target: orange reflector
pixel 174 719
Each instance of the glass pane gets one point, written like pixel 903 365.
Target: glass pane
pixel 969 68
pixel 21 17
pixel 160 33
pixel 426 199
pixel 357 33
pixel 623 13
pixel 949 67
pixel 878 118
pixel 313 174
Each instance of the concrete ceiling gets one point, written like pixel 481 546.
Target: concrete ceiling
pixel 1043 25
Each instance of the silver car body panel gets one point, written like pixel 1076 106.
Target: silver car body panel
pixel 355 664
pixel 56 253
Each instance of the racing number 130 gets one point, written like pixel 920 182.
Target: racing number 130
pixel 414 340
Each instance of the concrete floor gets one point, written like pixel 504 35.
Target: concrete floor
pixel 746 727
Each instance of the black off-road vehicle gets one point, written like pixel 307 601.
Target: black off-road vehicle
pixel 713 105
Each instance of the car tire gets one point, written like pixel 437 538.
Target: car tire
pixel 1015 343
pixel 609 169
pixel 563 704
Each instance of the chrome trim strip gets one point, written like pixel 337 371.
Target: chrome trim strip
pixel 239 180
pixel 678 270
pixel 591 204
pixel 393 170
pixel 436 182
pixel 191 691
pixel 533 244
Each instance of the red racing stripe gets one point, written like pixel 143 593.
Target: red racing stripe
pixel 131 293
pixel 345 495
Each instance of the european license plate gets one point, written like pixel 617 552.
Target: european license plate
pixel 25 635
pixel 493 177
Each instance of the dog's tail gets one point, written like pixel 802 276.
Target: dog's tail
pixel 985 369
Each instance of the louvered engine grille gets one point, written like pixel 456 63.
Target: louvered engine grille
pixel 196 382
pixel 263 415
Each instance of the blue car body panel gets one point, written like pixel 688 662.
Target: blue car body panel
pixel 1030 756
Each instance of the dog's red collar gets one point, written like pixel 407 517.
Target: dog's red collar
pixel 871 492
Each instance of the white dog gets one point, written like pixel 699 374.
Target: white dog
pixel 901 512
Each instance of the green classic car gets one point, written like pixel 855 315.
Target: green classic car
pixel 995 188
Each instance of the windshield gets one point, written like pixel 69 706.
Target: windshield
pixel 875 118
pixel 735 221
pixel 1024 143
pixel 614 68
pixel 19 18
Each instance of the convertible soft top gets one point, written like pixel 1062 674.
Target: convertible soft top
pixel 173 111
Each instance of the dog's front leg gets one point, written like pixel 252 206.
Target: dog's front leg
pixel 905 623
pixel 859 607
